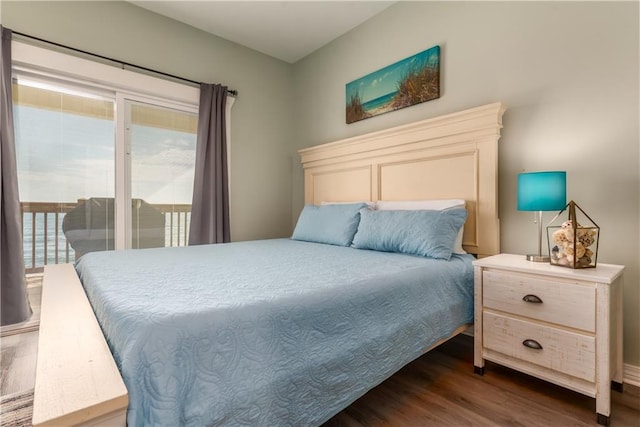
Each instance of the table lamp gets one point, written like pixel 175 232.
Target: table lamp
pixel 541 191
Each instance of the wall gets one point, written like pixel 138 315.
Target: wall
pixel 260 199
pixel 568 74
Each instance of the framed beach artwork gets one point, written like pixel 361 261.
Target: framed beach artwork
pixel 407 82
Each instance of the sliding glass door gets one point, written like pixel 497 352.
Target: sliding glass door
pixel 65 151
pixel 100 170
pixel 162 144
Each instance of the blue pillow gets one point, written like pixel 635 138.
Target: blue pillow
pixel 331 224
pixel 427 233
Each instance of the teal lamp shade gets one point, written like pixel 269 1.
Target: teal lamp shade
pixel 542 191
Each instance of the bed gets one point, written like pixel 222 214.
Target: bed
pixel 274 332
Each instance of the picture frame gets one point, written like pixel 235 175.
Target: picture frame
pixel 410 81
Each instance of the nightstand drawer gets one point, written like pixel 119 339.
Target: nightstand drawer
pixel 563 303
pixel 563 351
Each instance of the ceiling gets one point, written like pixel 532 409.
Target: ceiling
pixel 287 30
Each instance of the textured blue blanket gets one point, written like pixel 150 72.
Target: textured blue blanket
pixel 272 332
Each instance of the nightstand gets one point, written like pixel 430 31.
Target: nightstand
pixel 558 324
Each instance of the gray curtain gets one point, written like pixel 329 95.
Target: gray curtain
pixel 14 305
pixel 210 206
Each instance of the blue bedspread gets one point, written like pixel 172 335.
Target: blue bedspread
pixel 272 332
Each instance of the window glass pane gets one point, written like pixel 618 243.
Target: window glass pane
pixel 163 143
pixel 65 158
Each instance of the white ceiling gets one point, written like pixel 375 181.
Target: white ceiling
pixel 287 30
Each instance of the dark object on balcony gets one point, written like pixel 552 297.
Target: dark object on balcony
pixel 89 227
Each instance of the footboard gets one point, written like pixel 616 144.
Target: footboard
pixel 77 381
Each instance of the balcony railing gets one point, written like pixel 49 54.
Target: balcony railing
pixel 45 243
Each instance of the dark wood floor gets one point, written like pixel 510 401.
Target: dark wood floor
pixel 440 389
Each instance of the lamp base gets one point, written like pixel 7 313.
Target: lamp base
pixel 538 258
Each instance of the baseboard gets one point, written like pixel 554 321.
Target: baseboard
pixel 631 375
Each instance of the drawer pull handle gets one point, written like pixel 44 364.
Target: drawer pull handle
pixel 532 344
pixel 534 299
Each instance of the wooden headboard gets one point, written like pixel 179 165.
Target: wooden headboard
pixel 446 157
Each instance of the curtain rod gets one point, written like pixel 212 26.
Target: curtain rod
pixel 231 92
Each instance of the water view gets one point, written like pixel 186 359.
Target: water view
pixel 66 157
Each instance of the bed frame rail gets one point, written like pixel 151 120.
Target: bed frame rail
pixel 77 381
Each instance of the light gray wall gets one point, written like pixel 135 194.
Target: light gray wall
pixel 568 74
pixel 261 133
